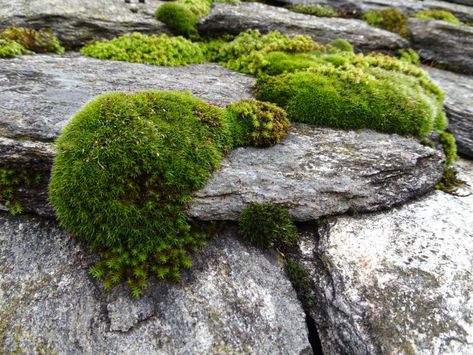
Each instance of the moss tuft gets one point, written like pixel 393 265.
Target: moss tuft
pixel 300 280
pixel 140 48
pixel 436 14
pixel 36 41
pixel 450 183
pixel 408 55
pixel 12 179
pixel 263 124
pixel 267 226
pixel 11 49
pixel 315 10
pixel 447 140
pixel 178 18
pixel 389 19
pixel 198 7
pixel 342 45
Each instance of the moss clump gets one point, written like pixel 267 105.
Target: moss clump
pixel 139 48
pixel 263 124
pixel 178 18
pixel 10 180
pixel 11 49
pixel 450 183
pixel 267 226
pixel 447 140
pixel 300 280
pixel 389 19
pixel 436 14
pixel 342 45
pixel 408 55
pixel 315 10
pixel 198 7
pixel 36 41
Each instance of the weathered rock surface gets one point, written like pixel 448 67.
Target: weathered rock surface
pixel 234 300
pixel 77 22
pixel 357 7
pixel 396 282
pixel 458 106
pixel 233 19
pixel 319 171
pixel 443 43
pixel 40 93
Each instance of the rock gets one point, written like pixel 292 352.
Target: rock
pixel 235 299
pixel 443 43
pixel 458 106
pixel 233 19
pixel 396 282
pixel 357 7
pixel 40 93
pixel 77 22
pixel 316 172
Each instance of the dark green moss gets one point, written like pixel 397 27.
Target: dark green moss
pixel 300 280
pixel 266 226
pixel 437 14
pixel 450 183
pixel 389 19
pixel 178 18
pixel 36 41
pixel 139 48
pixel 315 10
pixel 12 179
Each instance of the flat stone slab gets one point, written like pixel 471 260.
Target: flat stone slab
pixel 233 19
pixel 235 299
pixel 458 106
pixel 40 93
pixel 77 22
pixel 396 282
pixel 443 43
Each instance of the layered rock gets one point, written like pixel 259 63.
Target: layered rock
pixel 443 43
pixel 233 19
pixel 458 106
pixel 234 300
pixel 77 22
pixel 395 282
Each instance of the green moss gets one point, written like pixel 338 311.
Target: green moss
pixel 263 124
pixel 300 280
pixel 342 45
pixel 315 10
pixel 36 41
pixel 11 49
pixel 178 18
pixel 139 48
pixel 198 7
pixel 267 226
pixel 408 55
pixel 389 19
pixel 436 14
pixel 450 183
pixel 11 180
pixel 447 140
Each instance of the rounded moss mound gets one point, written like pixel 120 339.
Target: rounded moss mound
pixel 267 226
pixel 342 45
pixel 36 41
pixel 263 124
pixel 390 19
pixel 140 48
pixel 11 49
pixel 441 15
pixel 179 19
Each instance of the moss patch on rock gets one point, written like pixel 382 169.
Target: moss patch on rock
pixel 11 179
pixel 390 19
pixel 140 48
pixel 16 41
pixel 11 49
pixel 437 14
pixel 179 19
pixel 315 10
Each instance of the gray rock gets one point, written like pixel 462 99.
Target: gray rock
pixel 357 7
pixel 234 300
pixel 443 43
pixel 233 19
pixel 40 93
pixel 77 22
pixel 458 106
pixel 397 282
pixel 316 172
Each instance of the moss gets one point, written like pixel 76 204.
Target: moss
pixel 342 45
pixel 11 49
pixel 263 124
pixel 408 55
pixel 389 19
pixel 315 10
pixel 300 280
pixel 198 7
pixel 436 14
pixel 12 179
pixel 178 18
pixel 450 183
pixel 447 140
pixel 139 48
pixel 36 41
pixel 266 226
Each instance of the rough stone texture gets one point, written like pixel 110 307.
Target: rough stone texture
pixel 319 171
pixel 396 282
pixel 233 19
pixel 357 7
pixel 40 93
pixel 77 22
pixel 458 106
pixel 234 300
pixel 443 43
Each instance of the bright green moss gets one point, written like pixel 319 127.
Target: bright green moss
pixel 178 18
pixel 139 48
pixel 447 140
pixel 11 49
pixel 198 7
pixel 262 124
pixel 36 41
pixel 435 14
pixel 408 55
pixel 267 226
pixel 315 10
pixel 389 19
pixel 342 45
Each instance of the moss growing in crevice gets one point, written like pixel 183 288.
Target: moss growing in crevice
pixel 300 280
pixel 437 14
pixel 315 10
pixel 390 19
pixel 12 179
pixel 140 48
